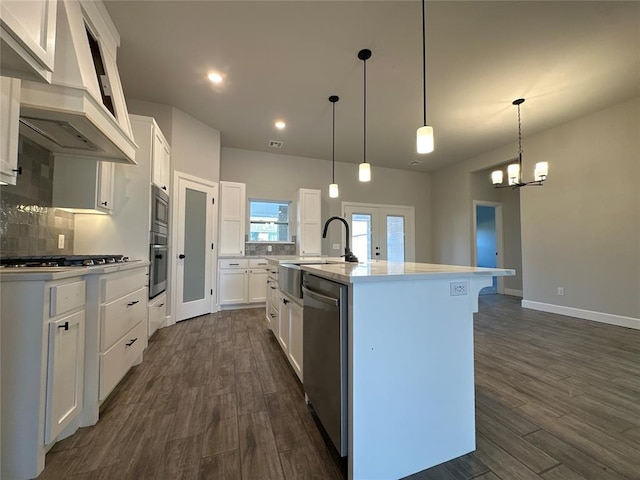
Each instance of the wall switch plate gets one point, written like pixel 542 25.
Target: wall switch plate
pixel 336 246
pixel 458 288
pixel 561 291
pixel 61 241
pixel 269 248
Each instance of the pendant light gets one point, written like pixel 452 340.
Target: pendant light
pixel 333 187
pixel 514 171
pixel 424 135
pixel 364 171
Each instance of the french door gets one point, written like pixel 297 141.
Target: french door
pixel 381 232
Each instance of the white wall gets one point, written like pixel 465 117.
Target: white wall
pixel 277 177
pixel 581 230
pixel 162 113
pixel 195 147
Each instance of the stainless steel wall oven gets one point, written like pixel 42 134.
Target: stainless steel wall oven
pixel 159 245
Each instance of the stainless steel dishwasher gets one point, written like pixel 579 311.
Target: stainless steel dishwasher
pixel 325 355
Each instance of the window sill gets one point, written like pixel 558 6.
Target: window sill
pixel 270 243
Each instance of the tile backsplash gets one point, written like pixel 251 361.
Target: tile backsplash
pixel 260 249
pixel 28 223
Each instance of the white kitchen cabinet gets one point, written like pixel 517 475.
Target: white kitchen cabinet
pixel 284 320
pixel 27 38
pixel 9 122
pixel 242 281
pixel 64 373
pixel 82 185
pixel 42 340
pixel 309 221
pixel 116 332
pixel 157 313
pixel 161 164
pixel 295 338
pixel 232 218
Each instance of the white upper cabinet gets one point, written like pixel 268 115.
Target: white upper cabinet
pixel 232 218
pixel 83 185
pixel 28 38
pixel 309 221
pixel 9 113
pixel 161 165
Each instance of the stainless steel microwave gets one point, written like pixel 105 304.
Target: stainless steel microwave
pixel 159 211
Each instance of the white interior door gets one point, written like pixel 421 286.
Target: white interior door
pixel 381 232
pixel 193 255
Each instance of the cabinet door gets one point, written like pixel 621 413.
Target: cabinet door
pixel 284 327
pixel 233 286
pixel 105 187
pixel 161 161
pixel 28 34
pixel 157 313
pixel 232 218
pixel 257 285
pixel 9 115
pixel 64 373
pixel 295 345
pixel 309 219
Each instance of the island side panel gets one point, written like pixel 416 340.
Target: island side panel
pixel 411 380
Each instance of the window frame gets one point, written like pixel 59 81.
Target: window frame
pixel 288 222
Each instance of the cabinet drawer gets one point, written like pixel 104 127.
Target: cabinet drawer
pixel 233 263
pixel 257 263
pixel 118 284
pixel 116 361
pixel 66 297
pixel 119 316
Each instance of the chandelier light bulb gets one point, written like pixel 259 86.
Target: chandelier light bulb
pixel 541 171
pixel 513 173
pixel 497 177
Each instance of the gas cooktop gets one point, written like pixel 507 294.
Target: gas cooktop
pixel 60 261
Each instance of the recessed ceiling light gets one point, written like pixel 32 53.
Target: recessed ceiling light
pixel 215 77
pixel 280 124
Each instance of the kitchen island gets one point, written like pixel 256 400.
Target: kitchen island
pixel 410 370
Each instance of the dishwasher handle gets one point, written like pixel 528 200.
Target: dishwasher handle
pixel 321 298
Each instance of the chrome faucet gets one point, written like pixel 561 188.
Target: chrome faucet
pixel 348 256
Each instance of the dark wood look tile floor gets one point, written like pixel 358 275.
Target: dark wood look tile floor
pixel 557 398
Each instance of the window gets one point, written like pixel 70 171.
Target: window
pixel 269 221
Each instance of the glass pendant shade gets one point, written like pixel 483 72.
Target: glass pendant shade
pixel 496 177
pixel 541 171
pixel 513 172
pixel 364 172
pixel 333 190
pixel 424 139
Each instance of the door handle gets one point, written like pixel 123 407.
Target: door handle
pixel 181 256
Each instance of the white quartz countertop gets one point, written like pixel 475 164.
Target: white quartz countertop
pixel 297 259
pixel 379 270
pixel 57 273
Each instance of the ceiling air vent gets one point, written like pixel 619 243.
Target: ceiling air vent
pixel 275 143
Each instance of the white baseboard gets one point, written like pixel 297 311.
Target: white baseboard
pixel 241 306
pixel 513 292
pixel 620 321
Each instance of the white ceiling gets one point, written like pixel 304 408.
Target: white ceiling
pixel 283 59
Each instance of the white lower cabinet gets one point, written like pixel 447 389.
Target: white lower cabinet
pixel 43 346
pixel 157 313
pixel 289 332
pixel 272 292
pixel 242 281
pixel 65 371
pixel 117 333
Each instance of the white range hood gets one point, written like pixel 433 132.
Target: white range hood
pixel 76 114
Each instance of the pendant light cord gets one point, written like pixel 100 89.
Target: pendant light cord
pixel 333 146
pixel 364 62
pixel 424 66
pixel 519 139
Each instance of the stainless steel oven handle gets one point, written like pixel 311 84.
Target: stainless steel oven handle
pixel 320 297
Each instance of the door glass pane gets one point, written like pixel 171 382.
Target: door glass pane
pixel 195 235
pixel 395 238
pixel 361 235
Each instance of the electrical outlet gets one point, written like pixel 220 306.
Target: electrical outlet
pixel 269 248
pixel 458 288
pixel 336 246
pixel 60 241
pixel 561 291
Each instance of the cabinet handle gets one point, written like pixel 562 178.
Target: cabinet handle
pixel 131 342
pixel 234 264
pixel 104 203
pixel 159 256
pixel 273 288
pixel 164 187
pixel 65 326
pixel 17 170
pixel 131 304
pixel 272 315
pixel 161 305
pixel 181 256
pixel 285 301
